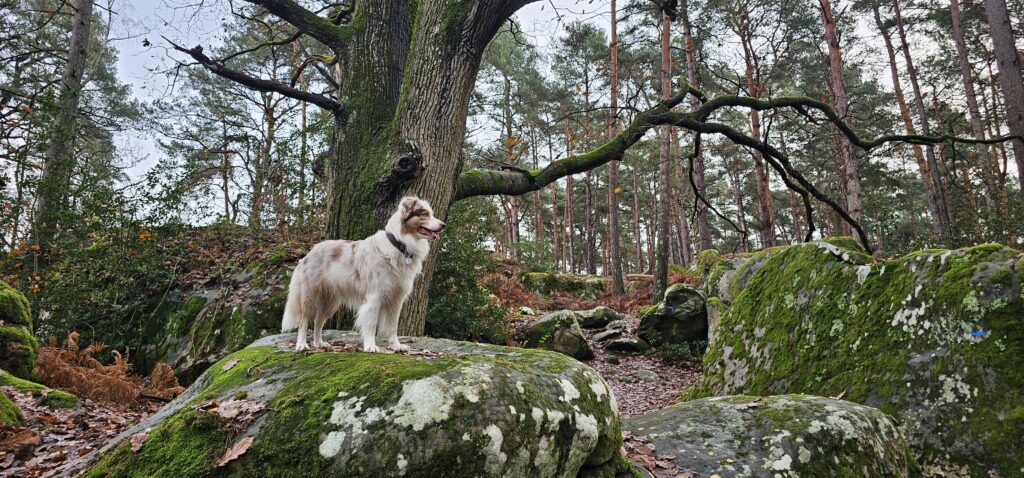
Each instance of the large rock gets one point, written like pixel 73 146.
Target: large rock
pixel 446 409
pixel 192 331
pixel 597 317
pixel 787 435
pixel 18 347
pixel 934 338
pixel 560 332
pixel 681 317
pixel 547 284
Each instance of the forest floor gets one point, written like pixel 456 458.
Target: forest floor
pixel 54 440
pixel 642 383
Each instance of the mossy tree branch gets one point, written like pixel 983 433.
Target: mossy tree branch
pixel 515 181
pixel 259 84
pixel 320 28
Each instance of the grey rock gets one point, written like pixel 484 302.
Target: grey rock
pixel 681 317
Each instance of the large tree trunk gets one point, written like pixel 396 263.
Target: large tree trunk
pixel 703 227
pixel 931 196
pixel 664 171
pixel 636 227
pixel 407 72
pixel 1009 64
pixel 851 171
pixel 986 166
pixel 60 162
pixel 944 224
pixel 615 252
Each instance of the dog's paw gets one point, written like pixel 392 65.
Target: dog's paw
pixel 301 347
pixel 371 348
pixel 398 347
pixel 319 345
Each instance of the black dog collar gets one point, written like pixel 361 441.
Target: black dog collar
pixel 400 246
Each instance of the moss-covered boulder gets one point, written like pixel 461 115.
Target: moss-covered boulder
pixel 582 287
pixel 560 332
pixel 787 435
pixel 48 396
pixel 195 329
pixel 680 318
pixel 18 347
pixel 934 338
pixel 446 409
pixel 627 345
pixel 597 317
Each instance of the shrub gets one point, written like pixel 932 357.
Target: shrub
pixel 461 307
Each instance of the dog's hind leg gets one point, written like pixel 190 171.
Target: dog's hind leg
pixel 326 310
pixel 296 308
pixel 366 322
pixel 389 313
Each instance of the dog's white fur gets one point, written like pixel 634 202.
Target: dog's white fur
pixel 369 276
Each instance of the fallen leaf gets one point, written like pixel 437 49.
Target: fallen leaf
pixel 19 442
pixel 138 439
pixel 234 452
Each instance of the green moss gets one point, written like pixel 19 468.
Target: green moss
pixel 579 286
pixel 18 350
pixel 931 338
pixel 14 307
pixel 10 413
pixel 53 398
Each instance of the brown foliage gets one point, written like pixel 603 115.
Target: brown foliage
pixel 508 289
pixel 629 303
pixel 75 369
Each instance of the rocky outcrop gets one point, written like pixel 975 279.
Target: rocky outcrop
pixel 627 345
pixel 18 347
pixel 445 409
pixel 788 435
pixel 933 338
pixel 581 287
pixel 680 318
pixel 193 330
pixel 559 332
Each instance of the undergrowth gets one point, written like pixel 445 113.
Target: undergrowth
pixel 76 369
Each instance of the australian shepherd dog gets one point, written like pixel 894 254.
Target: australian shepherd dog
pixel 372 277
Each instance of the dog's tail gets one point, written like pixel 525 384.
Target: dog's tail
pixel 293 308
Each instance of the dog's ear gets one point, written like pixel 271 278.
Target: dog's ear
pixel 409 203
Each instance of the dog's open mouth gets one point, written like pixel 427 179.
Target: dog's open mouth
pixel 427 233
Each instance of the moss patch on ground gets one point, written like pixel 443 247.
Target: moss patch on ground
pixel 932 338
pixel 51 398
pixel 10 413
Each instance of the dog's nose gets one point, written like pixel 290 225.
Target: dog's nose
pixel 443 225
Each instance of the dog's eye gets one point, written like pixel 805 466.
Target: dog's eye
pixel 421 213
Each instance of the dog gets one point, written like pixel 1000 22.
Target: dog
pixel 372 277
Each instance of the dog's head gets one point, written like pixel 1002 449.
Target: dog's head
pixel 418 218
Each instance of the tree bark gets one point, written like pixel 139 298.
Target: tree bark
pixel 614 235
pixel 851 173
pixel 60 162
pixel 664 172
pixel 703 227
pixel 1009 65
pixel 636 227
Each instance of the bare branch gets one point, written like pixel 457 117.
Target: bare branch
pixel 260 84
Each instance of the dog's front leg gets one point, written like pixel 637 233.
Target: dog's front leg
pixel 389 326
pixel 366 322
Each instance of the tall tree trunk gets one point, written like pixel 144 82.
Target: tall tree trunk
pixel 986 166
pixel 614 235
pixel 741 214
pixel 1009 64
pixel 851 173
pixel 703 227
pixel 407 70
pixel 60 162
pixel 931 195
pixel 944 225
pixel 764 194
pixel 300 217
pixel 636 227
pixel 664 171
